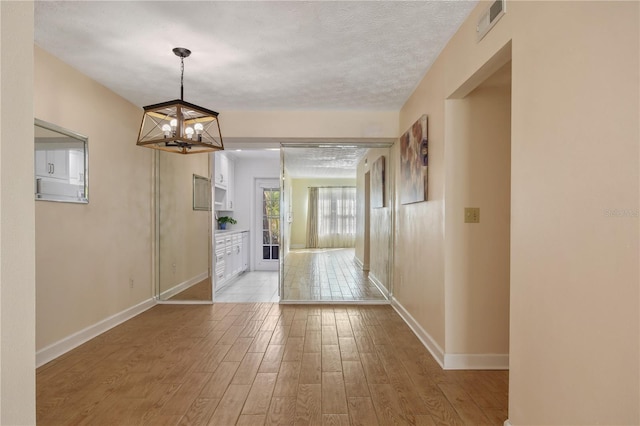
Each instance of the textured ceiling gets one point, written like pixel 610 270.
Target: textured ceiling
pixel 323 162
pixel 253 55
pixel 309 162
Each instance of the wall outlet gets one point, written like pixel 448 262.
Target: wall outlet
pixel 471 215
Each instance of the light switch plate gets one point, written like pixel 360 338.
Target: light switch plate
pixel 471 215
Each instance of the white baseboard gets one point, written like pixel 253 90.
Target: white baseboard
pixel 54 350
pixel 451 361
pixel 476 361
pixel 168 294
pixel 507 423
pixel 426 339
pixel 360 264
pixel 297 246
pixel 378 284
pixel 334 302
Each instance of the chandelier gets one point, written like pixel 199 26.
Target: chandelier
pixel 179 126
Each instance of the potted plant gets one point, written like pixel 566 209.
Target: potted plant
pixel 223 220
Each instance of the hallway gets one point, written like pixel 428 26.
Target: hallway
pixel 263 363
pixel 326 275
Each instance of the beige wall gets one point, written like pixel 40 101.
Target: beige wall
pixel 183 232
pixel 380 225
pixel 574 202
pixel 300 202
pixel 418 275
pixel 299 125
pixel 86 254
pixel 477 261
pixel 17 239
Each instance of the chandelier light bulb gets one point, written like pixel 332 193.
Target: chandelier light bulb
pixel 199 128
pixel 174 123
pixel 189 132
pixel 166 129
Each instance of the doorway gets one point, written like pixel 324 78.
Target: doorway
pixel 328 224
pixel 478 174
pixel 367 227
pixel 267 235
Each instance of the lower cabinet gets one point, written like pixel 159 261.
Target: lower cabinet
pixel 231 256
pixel 245 252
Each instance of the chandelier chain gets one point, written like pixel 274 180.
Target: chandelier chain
pixel 181 78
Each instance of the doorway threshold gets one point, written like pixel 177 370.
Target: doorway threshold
pixel 335 302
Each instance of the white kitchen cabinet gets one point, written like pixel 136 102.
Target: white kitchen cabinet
pixel 230 255
pixel 220 267
pixel 52 164
pixel 221 164
pixel 42 164
pixel 230 184
pixel 245 252
pixel 76 167
pixel 224 173
pixel 236 254
pixel 228 251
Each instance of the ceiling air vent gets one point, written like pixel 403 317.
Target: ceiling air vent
pixel 490 17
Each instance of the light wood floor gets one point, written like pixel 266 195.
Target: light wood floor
pixel 327 275
pixel 200 291
pixel 262 363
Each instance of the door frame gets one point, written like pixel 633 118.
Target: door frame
pixel 362 143
pixel 257 197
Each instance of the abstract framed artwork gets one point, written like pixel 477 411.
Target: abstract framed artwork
pixel 414 163
pixel 377 183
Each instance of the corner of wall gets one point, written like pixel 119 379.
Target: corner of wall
pixel 17 221
pixel 74 340
pixel 424 337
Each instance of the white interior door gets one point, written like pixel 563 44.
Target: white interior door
pixel 267 253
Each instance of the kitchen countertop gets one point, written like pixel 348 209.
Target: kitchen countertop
pixel 229 231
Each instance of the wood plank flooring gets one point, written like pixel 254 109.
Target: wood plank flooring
pixel 326 274
pixel 198 291
pixel 263 364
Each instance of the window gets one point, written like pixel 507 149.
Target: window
pixel 332 217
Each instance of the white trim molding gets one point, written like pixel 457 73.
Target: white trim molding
pixel 360 264
pixel 334 302
pixel 426 339
pixel 451 361
pixel 168 294
pixel 476 362
pixel 378 284
pixel 54 350
pixel 507 422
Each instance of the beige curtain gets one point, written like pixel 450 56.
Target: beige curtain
pixel 312 219
pixel 331 220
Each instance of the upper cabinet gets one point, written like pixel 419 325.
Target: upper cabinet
pixel 230 183
pixel 221 170
pixel 224 169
